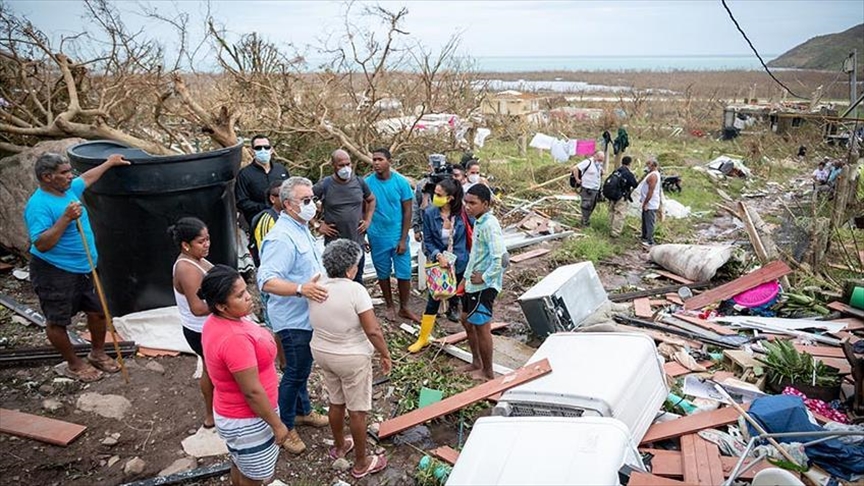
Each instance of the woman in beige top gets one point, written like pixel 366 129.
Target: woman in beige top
pixel 345 333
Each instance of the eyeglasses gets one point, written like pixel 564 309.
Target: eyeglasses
pixel 261 147
pixel 307 200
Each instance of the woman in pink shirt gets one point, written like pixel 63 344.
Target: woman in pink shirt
pixel 240 357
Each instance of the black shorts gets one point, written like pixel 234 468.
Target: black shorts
pixel 194 340
pixel 478 306
pixel 62 294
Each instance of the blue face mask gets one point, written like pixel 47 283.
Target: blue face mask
pixel 262 156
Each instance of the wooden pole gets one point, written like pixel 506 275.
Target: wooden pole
pixel 102 300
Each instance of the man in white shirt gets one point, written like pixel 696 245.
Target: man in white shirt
pixel 589 174
pixel 649 197
pixel 820 175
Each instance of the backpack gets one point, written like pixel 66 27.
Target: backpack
pixel 254 232
pixel 612 188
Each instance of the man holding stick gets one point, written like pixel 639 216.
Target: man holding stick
pixel 59 268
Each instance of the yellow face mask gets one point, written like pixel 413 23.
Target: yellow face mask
pixel 439 201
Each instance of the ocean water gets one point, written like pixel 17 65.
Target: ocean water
pixel 509 64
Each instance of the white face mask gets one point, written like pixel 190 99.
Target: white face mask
pixel 307 211
pixel 344 173
pixel 473 178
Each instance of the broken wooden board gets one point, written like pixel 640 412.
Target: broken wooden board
pixel 645 479
pixel 628 296
pixel 156 353
pixel 823 351
pixel 701 461
pixel 642 308
pixel 846 309
pixel 461 336
pixel 718 328
pixel 529 255
pixel 673 277
pixel 676 369
pixel 674 298
pixel 43 429
pixel 691 423
pixel 446 454
pixel 772 271
pixel 670 464
pixel 659 302
pixel 852 323
pixel 461 400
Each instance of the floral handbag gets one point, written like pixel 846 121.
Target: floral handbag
pixel 441 282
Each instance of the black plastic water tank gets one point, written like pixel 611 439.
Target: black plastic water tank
pixel 131 208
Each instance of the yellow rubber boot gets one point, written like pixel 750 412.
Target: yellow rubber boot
pixel 426 325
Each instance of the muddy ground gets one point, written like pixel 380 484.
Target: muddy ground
pixel 167 407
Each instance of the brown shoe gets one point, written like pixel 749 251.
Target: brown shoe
pixel 293 443
pixel 313 419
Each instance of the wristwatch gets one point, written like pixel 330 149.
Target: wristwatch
pixel 299 291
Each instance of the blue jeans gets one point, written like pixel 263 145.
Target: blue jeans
pixel 360 265
pixel 293 394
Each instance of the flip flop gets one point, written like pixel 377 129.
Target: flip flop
pixel 208 426
pixel 334 454
pixel 377 464
pixel 83 376
pixel 106 364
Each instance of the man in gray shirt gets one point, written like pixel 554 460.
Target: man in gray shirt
pixel 347 204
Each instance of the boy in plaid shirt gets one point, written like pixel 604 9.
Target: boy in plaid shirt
pixel 484 276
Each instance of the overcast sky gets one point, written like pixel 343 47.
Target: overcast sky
pixel 518 28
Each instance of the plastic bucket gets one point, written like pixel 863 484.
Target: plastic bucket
pixel 857 299
pixel 132 207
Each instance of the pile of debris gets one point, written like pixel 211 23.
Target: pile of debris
pixel 686 382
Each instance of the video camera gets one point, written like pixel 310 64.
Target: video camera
pixel 441 170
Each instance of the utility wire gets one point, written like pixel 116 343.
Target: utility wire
pixel 757 53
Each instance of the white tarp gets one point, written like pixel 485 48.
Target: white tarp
pixel 154 328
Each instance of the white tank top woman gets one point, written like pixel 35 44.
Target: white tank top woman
pixel 187 318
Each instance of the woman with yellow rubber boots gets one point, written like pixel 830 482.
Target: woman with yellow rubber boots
pixel 446 241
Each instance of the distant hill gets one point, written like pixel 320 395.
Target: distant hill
pixel 825 52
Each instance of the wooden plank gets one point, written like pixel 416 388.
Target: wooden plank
pixel 674 298
pixel 446 454
pixel 43 429
pixel 711 326
pixel 629 296
pixel 529 255
pixel 670 464
pixel 644 479
pixel 642 308
pixel 674 277
pixel 689 459
pixel 460 400
pixel 461 336
pixel 691 423
pixel 824 351
pixel 852 323
pixel 156 353
pixel 675 369
pixel 772 271
pixel 715 466
pixel 6 267
pixel 846 309
pixel 659 302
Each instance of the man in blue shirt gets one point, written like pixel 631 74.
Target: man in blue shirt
pixel 59 268
pixel 289 272
pixel 388 232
